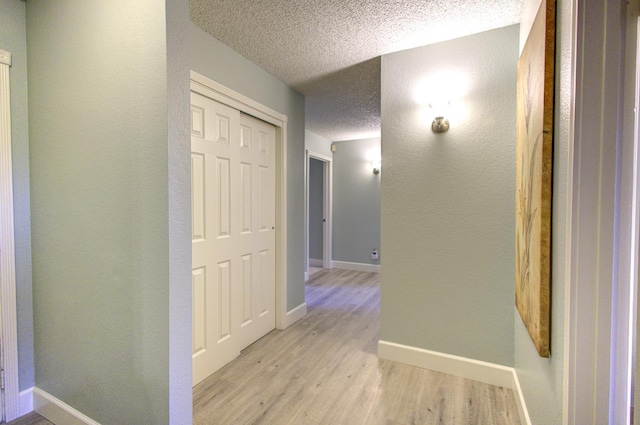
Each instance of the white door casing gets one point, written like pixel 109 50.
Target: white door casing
pixel 601 239
pixel 8 318
pixel 327 199
pixel 233 231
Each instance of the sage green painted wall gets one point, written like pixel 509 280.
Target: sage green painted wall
pixel 220 63
pixel 13 38
pixel 316 198
pixel 179 210
pixel 317 144
pixel 356 202
pixel 448 199
pixel 540 378
pixel 110 207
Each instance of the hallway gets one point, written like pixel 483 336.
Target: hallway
pixel 324 370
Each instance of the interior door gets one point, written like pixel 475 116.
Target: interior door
pixel 257 229
pixel 233 237
pixel 212 148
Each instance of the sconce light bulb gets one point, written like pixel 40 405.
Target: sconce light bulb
pixel 375 164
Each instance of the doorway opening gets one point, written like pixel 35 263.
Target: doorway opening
pixel 318 217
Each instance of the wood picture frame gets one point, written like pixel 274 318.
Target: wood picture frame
pixel 534 164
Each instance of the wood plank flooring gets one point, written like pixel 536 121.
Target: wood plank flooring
pixel 30 419
pixel 324 370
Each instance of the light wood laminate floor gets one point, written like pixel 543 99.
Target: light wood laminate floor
pixel 30 419
pixel 324 370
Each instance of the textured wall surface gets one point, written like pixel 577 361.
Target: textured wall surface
pixel 102 218
pixel 448 199
pixel 179 200
pixel 541 379
pixel 356 201
pixel 316 214
pixel 317 144
pixel 214 60
pixel 13 38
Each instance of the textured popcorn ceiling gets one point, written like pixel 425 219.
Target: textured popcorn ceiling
pixel 329 50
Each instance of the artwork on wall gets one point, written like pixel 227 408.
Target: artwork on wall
pixel 534 163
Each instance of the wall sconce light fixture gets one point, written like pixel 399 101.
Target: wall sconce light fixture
pixel 375 164
pixel 440 123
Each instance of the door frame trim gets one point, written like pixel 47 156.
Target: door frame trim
pixel 8 302
pixel 327 199
pixel 216 91
pixel 599 212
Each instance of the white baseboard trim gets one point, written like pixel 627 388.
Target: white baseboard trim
pixel 26 401
pixel 57 411
pixel 316 262
pixel 476 370
pixel 359 267
pixel 520 402
pixel 294 315
pixel 489 373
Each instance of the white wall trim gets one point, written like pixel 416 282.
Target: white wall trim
pixel 57 411
pixel 634 27
pixel 26 401
pixel 315 262
pixel 216 91
pixel 223 94
pixel 593 382
pixel 360 267
pixel 294 315
pixel 520 401
pixel 327 204
pixel 477 370
pixel 7 250
pixel 628 235
pixel 5 57
pixel 489 373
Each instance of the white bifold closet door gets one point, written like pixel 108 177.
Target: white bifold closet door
pixel 233 232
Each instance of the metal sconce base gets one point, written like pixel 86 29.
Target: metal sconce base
pixel 440 125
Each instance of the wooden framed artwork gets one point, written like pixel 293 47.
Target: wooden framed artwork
pixel 534 163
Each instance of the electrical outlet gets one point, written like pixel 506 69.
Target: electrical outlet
pixel 374 254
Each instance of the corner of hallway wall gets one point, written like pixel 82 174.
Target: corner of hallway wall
pixel 218 62
pixel 13 38
pixel 316 143
pixel 109 176
pixel 179 200
pixel 356 202
pixel 448 199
